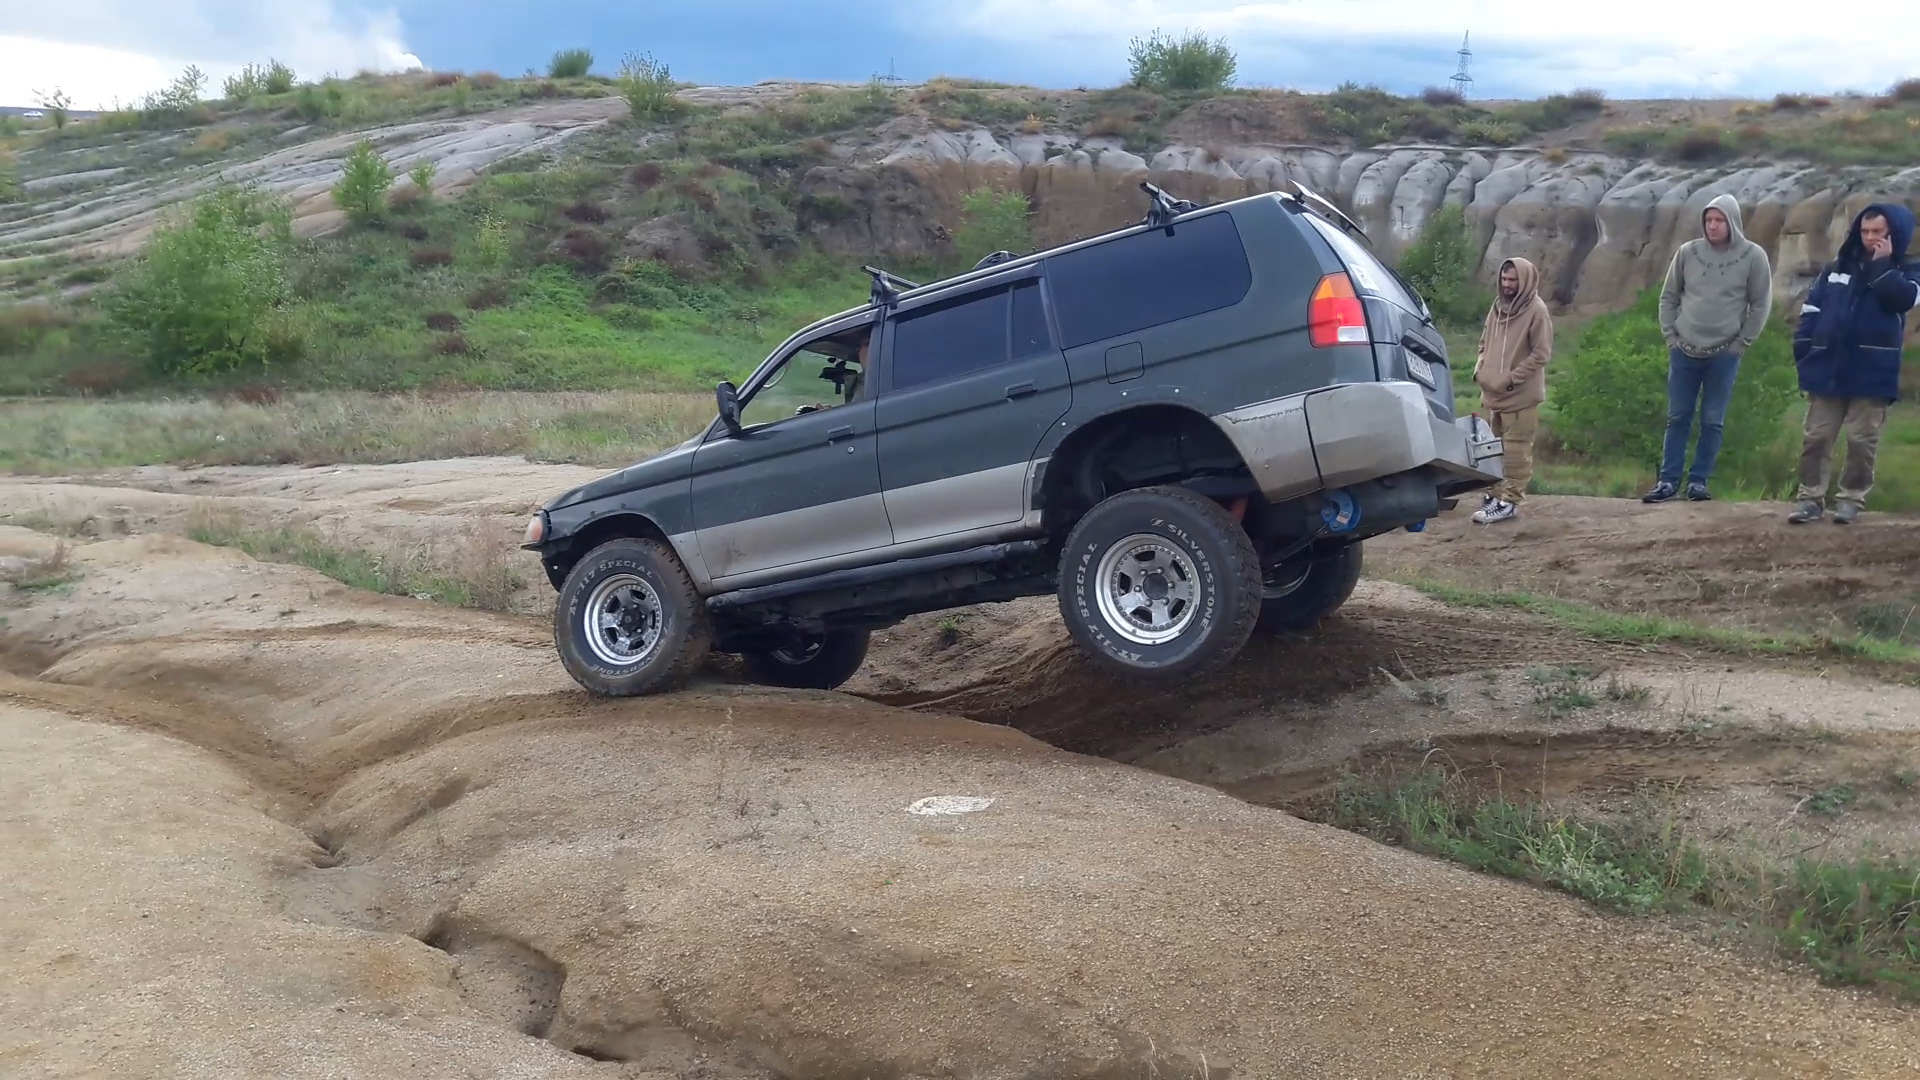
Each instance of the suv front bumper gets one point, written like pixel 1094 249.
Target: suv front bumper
pixel 1348 434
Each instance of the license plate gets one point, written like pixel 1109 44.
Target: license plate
pixel 1420 369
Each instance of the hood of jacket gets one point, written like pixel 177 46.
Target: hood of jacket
pixel 1508 310
pixel 1899 230
pixel 1730 206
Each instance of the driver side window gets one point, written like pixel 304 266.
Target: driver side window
pixel 810 379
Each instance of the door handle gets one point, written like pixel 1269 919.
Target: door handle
pixel 1019 390
pixel 840 433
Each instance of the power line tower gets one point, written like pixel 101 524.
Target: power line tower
pixel 1461 79
pixel 889 77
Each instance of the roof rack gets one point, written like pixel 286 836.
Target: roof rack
pixel 993 258
pixel 887 287
pixel 1164 208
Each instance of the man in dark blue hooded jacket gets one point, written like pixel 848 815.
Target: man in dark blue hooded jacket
pixel 1847 348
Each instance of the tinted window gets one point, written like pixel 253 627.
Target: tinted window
pixel 1148 279
pixel 1031 336
pixel 951 339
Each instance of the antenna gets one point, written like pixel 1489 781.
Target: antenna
pixel 1462 80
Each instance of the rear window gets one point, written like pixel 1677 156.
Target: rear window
pixel 1126 285
pixel 1368 273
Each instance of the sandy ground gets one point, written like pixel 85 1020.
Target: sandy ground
pixel 260 824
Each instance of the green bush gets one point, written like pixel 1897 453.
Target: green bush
pixel 10 190
pixel 1440 265
pixel 1195 62
pixel 422 177
pixel 203 296
pixel 1607 396
pixel 320 102
pixel 57 104
pixel 255 80
pixel 362 190
pixel 647 86
pixel 570 64
pixel 991 221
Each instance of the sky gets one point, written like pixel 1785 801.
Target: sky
pixel 100 51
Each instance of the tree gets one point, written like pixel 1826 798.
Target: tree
pixel 56 103
pixel 1195 62
pixel 202 297
pixel 362 189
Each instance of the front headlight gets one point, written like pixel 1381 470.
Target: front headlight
pixel 536 528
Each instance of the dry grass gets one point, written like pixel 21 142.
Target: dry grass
pixel 600 429
pixel 472 568
pixel 46 572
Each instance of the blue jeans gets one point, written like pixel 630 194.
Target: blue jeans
pixel 1709 382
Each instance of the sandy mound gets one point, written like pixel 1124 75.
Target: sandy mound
pixel 367 836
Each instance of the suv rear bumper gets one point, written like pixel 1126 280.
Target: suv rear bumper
pixel 1347 434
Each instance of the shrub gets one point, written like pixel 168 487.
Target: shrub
pixel 56 103
pixel 423 258
pixel 485 80
pixel 1905 90
pixel 1607 395
pixel 1195 62
pixel 320 102
pixel 1440 267
pixel 422 177
pixel 10 189
pixel 442 321
pixel 1442 96
pixel 176 103
pixel 203 295
pixel 647 86
pixel 1701 144
pixel 1587 100
pixel 254 80
pixel 570 64
pixel 646 174
pixel 363 186
pixel 585 212
pixel 992 221
pixel 444 78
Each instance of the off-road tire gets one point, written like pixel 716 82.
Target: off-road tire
pixel 1328 585
pixel 1225 581
pixel 684 633
pixel 840 655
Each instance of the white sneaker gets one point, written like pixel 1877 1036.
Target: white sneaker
pixel 1495 510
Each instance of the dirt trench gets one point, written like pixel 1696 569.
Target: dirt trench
pixel 263 823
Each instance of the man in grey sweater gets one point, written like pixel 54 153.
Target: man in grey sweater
pixel 1718 294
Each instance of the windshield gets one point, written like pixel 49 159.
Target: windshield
pixel 1369 273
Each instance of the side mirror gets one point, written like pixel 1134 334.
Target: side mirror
pixel 728 399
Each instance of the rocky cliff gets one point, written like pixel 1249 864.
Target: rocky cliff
pixel 1601 228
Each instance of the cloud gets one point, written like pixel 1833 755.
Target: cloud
pixel 1522 47
pixel 100 49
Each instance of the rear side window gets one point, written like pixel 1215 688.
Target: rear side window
pixel 1148 279
pixel 948 340
pixel 1368 273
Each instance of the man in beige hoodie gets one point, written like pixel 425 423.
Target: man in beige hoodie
pixel 1516 341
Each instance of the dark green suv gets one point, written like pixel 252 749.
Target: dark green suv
pixel 1184 428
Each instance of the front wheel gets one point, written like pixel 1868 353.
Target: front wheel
pixel 628 620
pixel 1296 597
pixel 821 663
pixel 1159 584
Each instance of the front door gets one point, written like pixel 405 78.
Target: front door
pixel 800 482
pixel 973 384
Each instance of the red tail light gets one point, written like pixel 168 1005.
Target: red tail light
pixel 1335 315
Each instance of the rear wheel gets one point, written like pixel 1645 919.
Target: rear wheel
pixel 822 663
pixel 628 620
pixel 1160 584
pixel 1296 596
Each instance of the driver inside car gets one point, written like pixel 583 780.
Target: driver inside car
pixel 852 379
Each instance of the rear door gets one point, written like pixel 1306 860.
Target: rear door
pixel 971 384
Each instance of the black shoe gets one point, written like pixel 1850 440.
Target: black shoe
pixel 1698 493
pixel 1661 492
